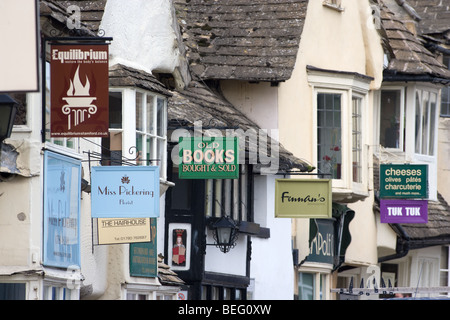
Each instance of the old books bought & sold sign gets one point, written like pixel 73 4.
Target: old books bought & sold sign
pixel 403 193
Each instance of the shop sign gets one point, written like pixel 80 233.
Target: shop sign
pixel 123 230
pixel 19 57
pixel 322 246
pixel 79 87
pixel 303 198
pixel 403 181
pixel 62 188
pixel 125 192
pixel 143 256
pixel 208 158
pixel 403 211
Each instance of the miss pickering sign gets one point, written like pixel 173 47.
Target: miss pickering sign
pixel 79 90
pixel 125 192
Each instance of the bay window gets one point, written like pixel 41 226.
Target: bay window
pixel 340 117
pixel 137 127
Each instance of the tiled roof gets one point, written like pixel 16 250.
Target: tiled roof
pixel 407 54
pixel 124 76
pixel 240 39
pixel 435 16
pixel 199 103
pixel 91 12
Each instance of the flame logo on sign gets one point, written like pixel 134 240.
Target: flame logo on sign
pixel 79 102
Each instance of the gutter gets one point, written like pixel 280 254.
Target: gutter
pixel 402 247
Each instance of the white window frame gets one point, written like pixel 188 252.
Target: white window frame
pixel 129 132
pixel 406 152
pixel 377 100
pixel 321 291
pixel 349 85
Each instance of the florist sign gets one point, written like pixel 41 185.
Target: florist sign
pixel 125 192
pixel 303 198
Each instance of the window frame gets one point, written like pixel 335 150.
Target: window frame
pixel 129 130
pixel 348 84
pixel 446 62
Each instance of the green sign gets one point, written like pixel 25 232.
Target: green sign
pixel 208 158
pixel 303 198
pixel 143 256
pixel 403 181
pixel 321 248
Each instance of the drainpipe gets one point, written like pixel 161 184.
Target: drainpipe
pixel 402 247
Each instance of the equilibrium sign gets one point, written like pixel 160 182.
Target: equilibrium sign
pixel 403 181
pixel 125 192
pixel 79 90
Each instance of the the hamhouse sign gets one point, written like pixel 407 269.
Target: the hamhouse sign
pixel 120 192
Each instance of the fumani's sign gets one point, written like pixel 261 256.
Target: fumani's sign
pixel 403 181
pixel 303 198
pixel 208 158
pixel 79 86
pixel 125 192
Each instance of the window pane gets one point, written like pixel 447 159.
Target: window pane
pixel 12 291
pixel 445 97
pixel 356 139
pixel 150 114
pixel 139 111
pixel 329 134
pixel 425 123
pixel 390 118
pixel 432 124
pixel 417 126
pixel 161 118
pixel 305 286
pixel 115 110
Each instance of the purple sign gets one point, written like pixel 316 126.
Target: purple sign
pixel 404 211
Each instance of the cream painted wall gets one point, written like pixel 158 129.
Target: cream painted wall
pixel 443 156
pixel 344 41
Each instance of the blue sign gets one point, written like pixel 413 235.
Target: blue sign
pixel 62 188
pixel 125 192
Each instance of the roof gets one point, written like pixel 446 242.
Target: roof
pixel 124 76
pixel 435 16
pixel 438 226
pixel 166 275
pixel 91 15
pixel 407 55
pixel 200 103
pixel 239 39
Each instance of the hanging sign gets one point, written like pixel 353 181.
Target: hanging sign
pixel 62 188
pixel 123 230
pixel 79 90
pixel 403 211
pixel 143 256
pixel 125 192
pixel 208 158
pixel 403 181
pixel 322 246
pixel 303 198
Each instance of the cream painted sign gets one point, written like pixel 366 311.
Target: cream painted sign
pixel 303 198
pixel 123 230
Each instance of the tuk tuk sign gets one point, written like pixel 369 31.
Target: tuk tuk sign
pixel 403 181
pixel 403 211
pixel 125 192
pixel 208 158
pixel 303 198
